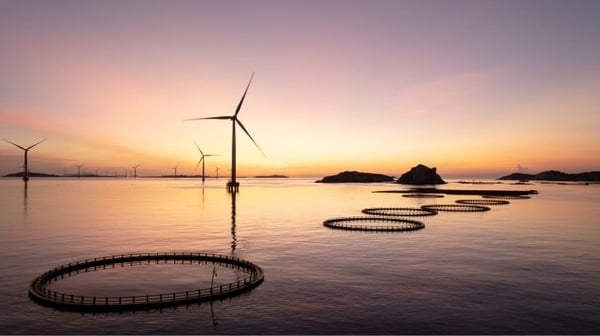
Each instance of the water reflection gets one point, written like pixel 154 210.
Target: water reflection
pixel 25 198
pixel 233 235
pixel 212 315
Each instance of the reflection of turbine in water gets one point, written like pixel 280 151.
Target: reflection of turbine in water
pixel 26 150
pixel 233 185
pixel 233 236
pixel 25 198
pixel 202 160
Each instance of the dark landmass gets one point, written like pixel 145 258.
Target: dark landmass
pixel 554 175
pixel 477 182
pixel 271 176
pixel 421 175
pixel 31 174
pixel 463 192
pixel 356 177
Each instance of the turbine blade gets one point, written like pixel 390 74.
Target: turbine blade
pixel 197 164
pixel 237 110
pixel 250 136
pixel 219 117
pixel 200 150
pixel 37 143
pixel 10 142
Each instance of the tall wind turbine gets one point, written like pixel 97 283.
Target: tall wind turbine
pixel 175 170
pixel 202 160
pixel 233 185
pixel 26 150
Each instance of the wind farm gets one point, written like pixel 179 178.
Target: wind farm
pixel 25 161
pixel 233 185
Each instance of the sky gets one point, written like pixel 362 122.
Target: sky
pixel 475 88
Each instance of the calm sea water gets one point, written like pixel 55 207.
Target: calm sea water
pixel 528 267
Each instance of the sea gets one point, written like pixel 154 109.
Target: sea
pixel 531 266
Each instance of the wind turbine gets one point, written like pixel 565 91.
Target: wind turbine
pixel 135 170
pixel 202 160
pixel 233 185
pixel 175 169
pixel 26 150
pixel 79 169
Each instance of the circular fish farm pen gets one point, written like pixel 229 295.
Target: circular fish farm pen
pixel 399 212
pixel 456 207
pixel 371 223
pixel 416 195
pixel 510 197
pixel 482 201
pixel 39 291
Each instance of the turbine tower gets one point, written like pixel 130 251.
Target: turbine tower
pixel 202 160
pixel 233 185
pixel 79 169
pixel 26 150
pixel 175 171
pixel 135 170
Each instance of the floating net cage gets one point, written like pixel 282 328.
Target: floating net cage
pixel 39 291
pixel 399 212
pixel 372 223
pixel 482 201
pixel 456 207
pixel 417 195
pixel 510 197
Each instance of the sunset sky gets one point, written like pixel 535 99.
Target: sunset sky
pixel 474 88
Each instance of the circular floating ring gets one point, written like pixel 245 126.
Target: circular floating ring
pixel 456 207
pixel 399 211
pixel 390 224
pixel 39 292
pixel 506 196
pixel 423 195
pixel 483 201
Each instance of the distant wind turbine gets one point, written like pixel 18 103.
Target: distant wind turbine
pixel 135 170
pixel 26 150
pixel 233 185
pixel 202 160
pixel 79 169
pixel 175 169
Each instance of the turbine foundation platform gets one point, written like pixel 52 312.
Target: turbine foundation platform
pixel 233 186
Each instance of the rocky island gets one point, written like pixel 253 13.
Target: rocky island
pixel 554 175
pixel 356 177
pixel 421 175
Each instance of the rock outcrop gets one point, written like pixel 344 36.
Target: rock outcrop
pixel 554 175
pixel 356 177
pixel 421 175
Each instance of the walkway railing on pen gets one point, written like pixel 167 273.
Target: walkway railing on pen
pixel 38 289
